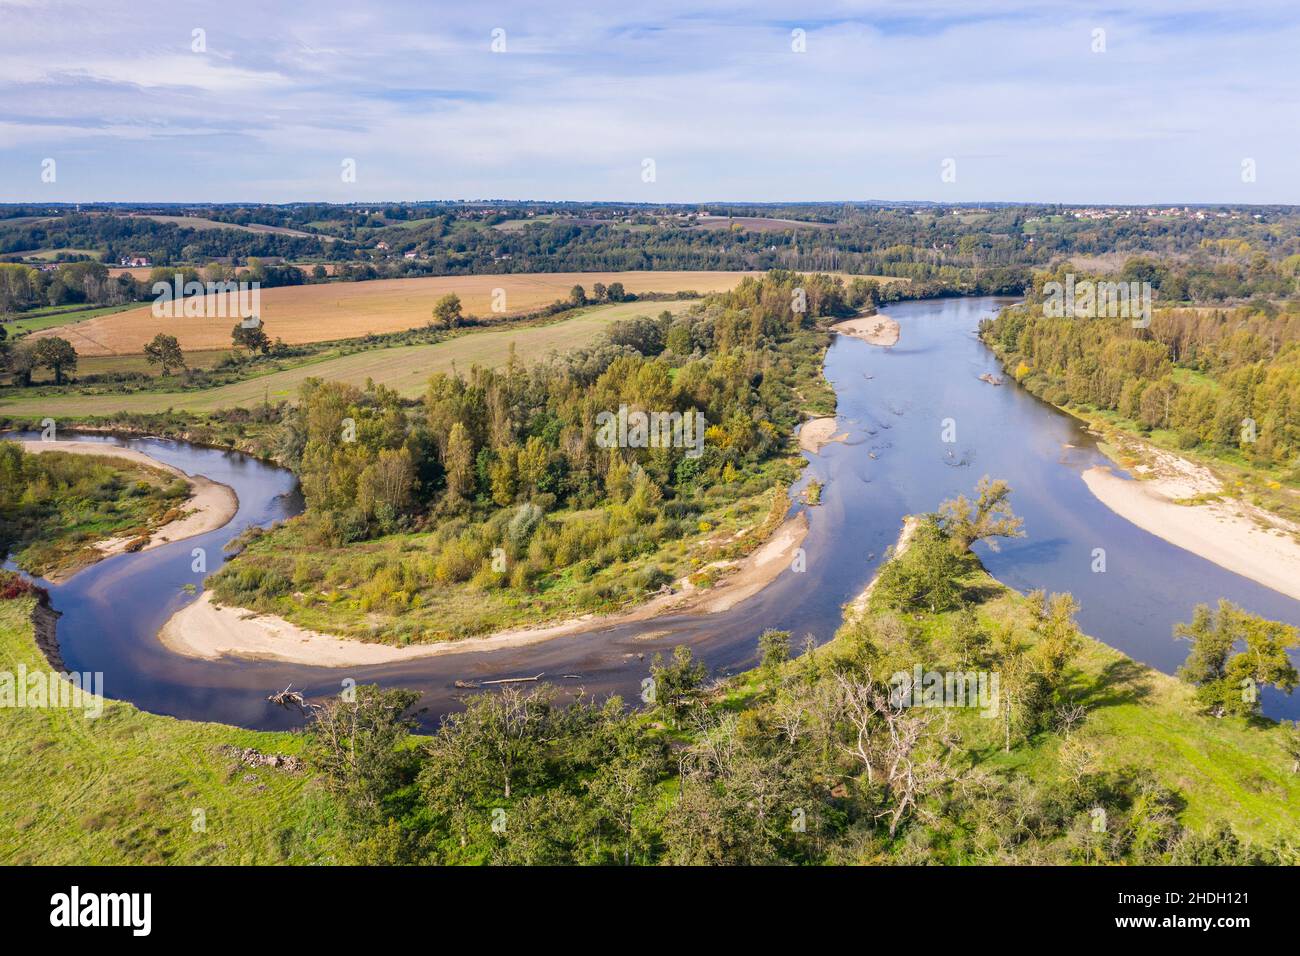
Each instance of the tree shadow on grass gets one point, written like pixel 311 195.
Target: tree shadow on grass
pixel 1123 681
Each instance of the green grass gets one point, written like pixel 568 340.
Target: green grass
pixel 124 787
pixel 39 319
pixel 1227 770
pixel 404 368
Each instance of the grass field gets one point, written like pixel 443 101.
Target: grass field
pixel 125 787
pixel 405 368
pixel 57 317
pixel 204 225
pixel 320 313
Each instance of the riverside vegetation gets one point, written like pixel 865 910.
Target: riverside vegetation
pixel 1090 758
pixel 490 502
pixel 1220 384
pixel 56 506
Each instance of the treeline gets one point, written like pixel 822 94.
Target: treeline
pixel 24 287
pixel 117 235
pixel 1228 254
pixel 816 757
pixel 1228 378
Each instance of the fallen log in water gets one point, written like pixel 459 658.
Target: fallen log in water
pixel 514 680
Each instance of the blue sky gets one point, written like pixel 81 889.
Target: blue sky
pixel 714 94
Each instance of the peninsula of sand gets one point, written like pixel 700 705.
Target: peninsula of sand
pixel 876 329
pixel 1184 504
pixel 206 630
pixel 210 505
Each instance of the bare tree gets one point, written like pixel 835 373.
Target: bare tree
pixel 909 753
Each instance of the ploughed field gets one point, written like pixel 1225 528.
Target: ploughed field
pixel 321 313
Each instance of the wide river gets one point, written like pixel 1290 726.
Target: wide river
pixel 893 403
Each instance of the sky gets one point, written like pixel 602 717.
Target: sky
pixel 1148 101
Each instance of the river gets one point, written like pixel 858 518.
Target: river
pixel 894 404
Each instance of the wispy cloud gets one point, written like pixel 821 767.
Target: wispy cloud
pixel 277 95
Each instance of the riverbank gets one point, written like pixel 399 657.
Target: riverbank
pixel 209 506
pixel 1187 505
pixel 858 605
pixel 208 631
pixel 109 790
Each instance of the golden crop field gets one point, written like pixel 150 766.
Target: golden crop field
pixel 404 368
pixel 328 311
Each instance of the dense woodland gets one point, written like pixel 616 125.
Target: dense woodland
pixel 508 459
pixel 1220 378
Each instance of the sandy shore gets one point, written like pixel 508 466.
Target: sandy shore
pixel 859 604
pixel 206 630
pixel 876 329
pixel 209 506
pixel 1233 534
pixel 817 432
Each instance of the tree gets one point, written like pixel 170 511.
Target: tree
pixel 1291 743
pixel 989 516
pixel 506 734
pixel 677 683
pixel 577 296
pixel 925 576
pixel 356 745
pixel 904 753
pixel 252 337
pixel 384 488
pixel 458 462
pixel 599 292
pixel 446 311
pixel 774 648
pixel 21 362
pixel 631 761
pixel 57 355
pixel 165 350
pixel 615 292
pixel 1228 683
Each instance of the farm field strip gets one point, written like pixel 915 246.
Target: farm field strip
pixel 320 313
pixel 404 368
